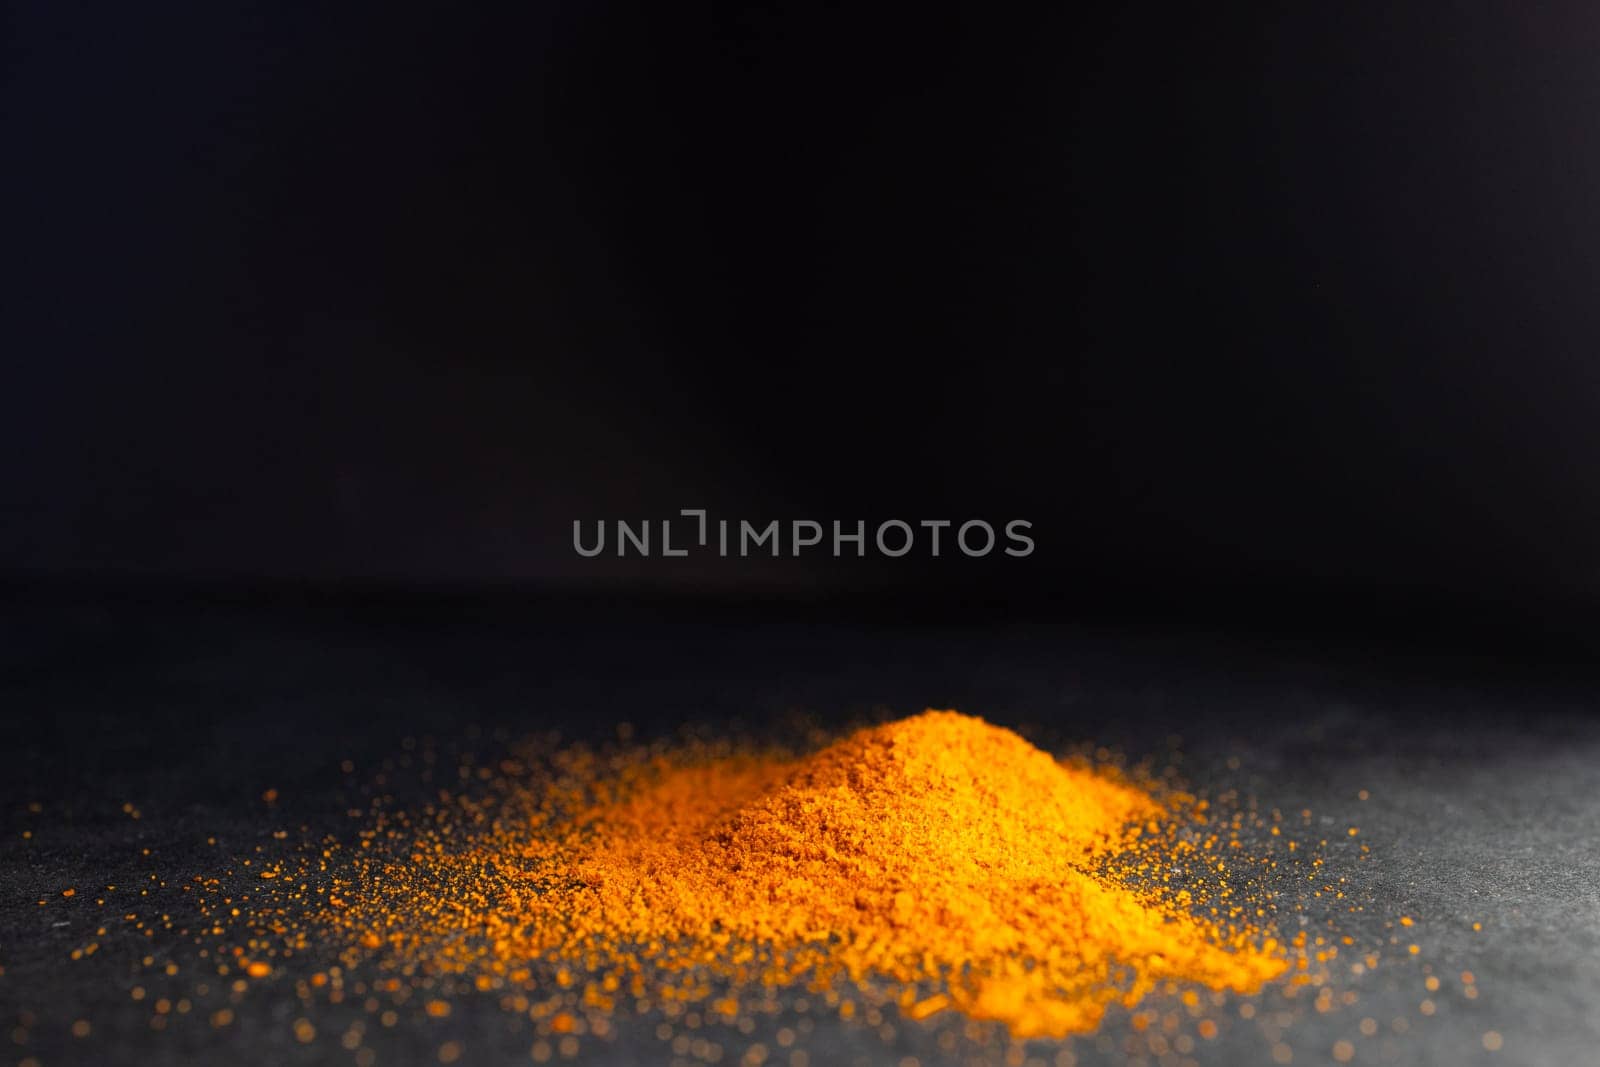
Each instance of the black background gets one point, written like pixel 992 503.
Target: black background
pixel 322 323
pixel 1287 316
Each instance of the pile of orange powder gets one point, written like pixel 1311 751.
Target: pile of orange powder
pixel 939 862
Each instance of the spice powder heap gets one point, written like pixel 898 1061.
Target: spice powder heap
pixel 944 861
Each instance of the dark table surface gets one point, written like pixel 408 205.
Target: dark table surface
pixel 1481 780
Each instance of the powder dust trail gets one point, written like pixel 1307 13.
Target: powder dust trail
pixel 938 859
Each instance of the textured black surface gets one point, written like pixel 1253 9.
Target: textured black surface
pixel 1483 797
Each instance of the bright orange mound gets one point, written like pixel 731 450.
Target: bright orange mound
pixel 938 850
pixel 937 861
